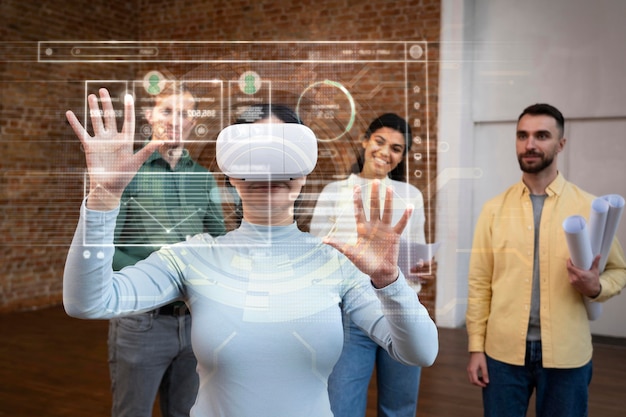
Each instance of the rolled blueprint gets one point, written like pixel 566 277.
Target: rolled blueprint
pixel 585 243
pixel 616 208
pixel 597 223
pixel 579 246
pixel 578 241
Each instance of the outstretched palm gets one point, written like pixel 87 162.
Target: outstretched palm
pixel 376 249
pixel 111 162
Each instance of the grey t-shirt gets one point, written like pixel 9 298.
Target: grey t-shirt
pixel 534 323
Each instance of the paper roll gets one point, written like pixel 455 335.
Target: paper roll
pixel 616 208
pixel 597 223
pixel 585 243
pixel 579 245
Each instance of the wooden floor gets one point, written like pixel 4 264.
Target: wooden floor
pixel 55 366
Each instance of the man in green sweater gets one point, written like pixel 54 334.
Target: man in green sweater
pixel 170 199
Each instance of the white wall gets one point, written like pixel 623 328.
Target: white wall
pixel 498 57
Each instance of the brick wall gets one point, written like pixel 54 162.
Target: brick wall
pixel 41 182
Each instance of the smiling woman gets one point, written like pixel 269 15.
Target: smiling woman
pixel 384 147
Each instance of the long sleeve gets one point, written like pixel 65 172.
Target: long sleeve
pixel 395 319
pixel 121 257
pixel 416 224
pixel 480 275
pixel 214 217
pixel 90 287
pixel 613 279
pixel 163 206
pixel 501 278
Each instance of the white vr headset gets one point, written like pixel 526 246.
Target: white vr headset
pixel 266 151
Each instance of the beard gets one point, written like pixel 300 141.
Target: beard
pixel 544 162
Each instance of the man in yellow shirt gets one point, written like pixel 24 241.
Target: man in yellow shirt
pixel 526 320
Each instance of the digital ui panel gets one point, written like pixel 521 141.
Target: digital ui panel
pixel 336 88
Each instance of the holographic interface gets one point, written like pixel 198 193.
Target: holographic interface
pixel 336 88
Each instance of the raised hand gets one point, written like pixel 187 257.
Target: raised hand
pixel 111 162
pixel 376 249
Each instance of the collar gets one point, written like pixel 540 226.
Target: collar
pixel 555 188
pixel 185 160
pixel 264 233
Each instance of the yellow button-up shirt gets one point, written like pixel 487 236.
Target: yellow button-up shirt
pixel 501 273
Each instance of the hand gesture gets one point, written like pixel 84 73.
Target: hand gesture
pixel 111 162
pixel 376 249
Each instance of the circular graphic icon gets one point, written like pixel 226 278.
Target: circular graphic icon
pixel 153 82
pixel 201 130
pixel 249 82
pixel 146 130
pixel 327 100
pixel 416 51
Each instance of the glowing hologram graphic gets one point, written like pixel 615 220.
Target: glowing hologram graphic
pixel 345 91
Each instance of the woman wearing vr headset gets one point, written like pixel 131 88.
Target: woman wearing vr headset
pixel 383 150
pixel 266 298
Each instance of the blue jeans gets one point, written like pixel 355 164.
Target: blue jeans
pixel 559 392
pixel 150 352
pixel 398 384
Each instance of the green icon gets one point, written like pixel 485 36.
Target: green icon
pixel 153 82
pixel 249 81
pixel 153 87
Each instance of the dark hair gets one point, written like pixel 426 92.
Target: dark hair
pixel 258 112
pixel 544 109
pixel 397 123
